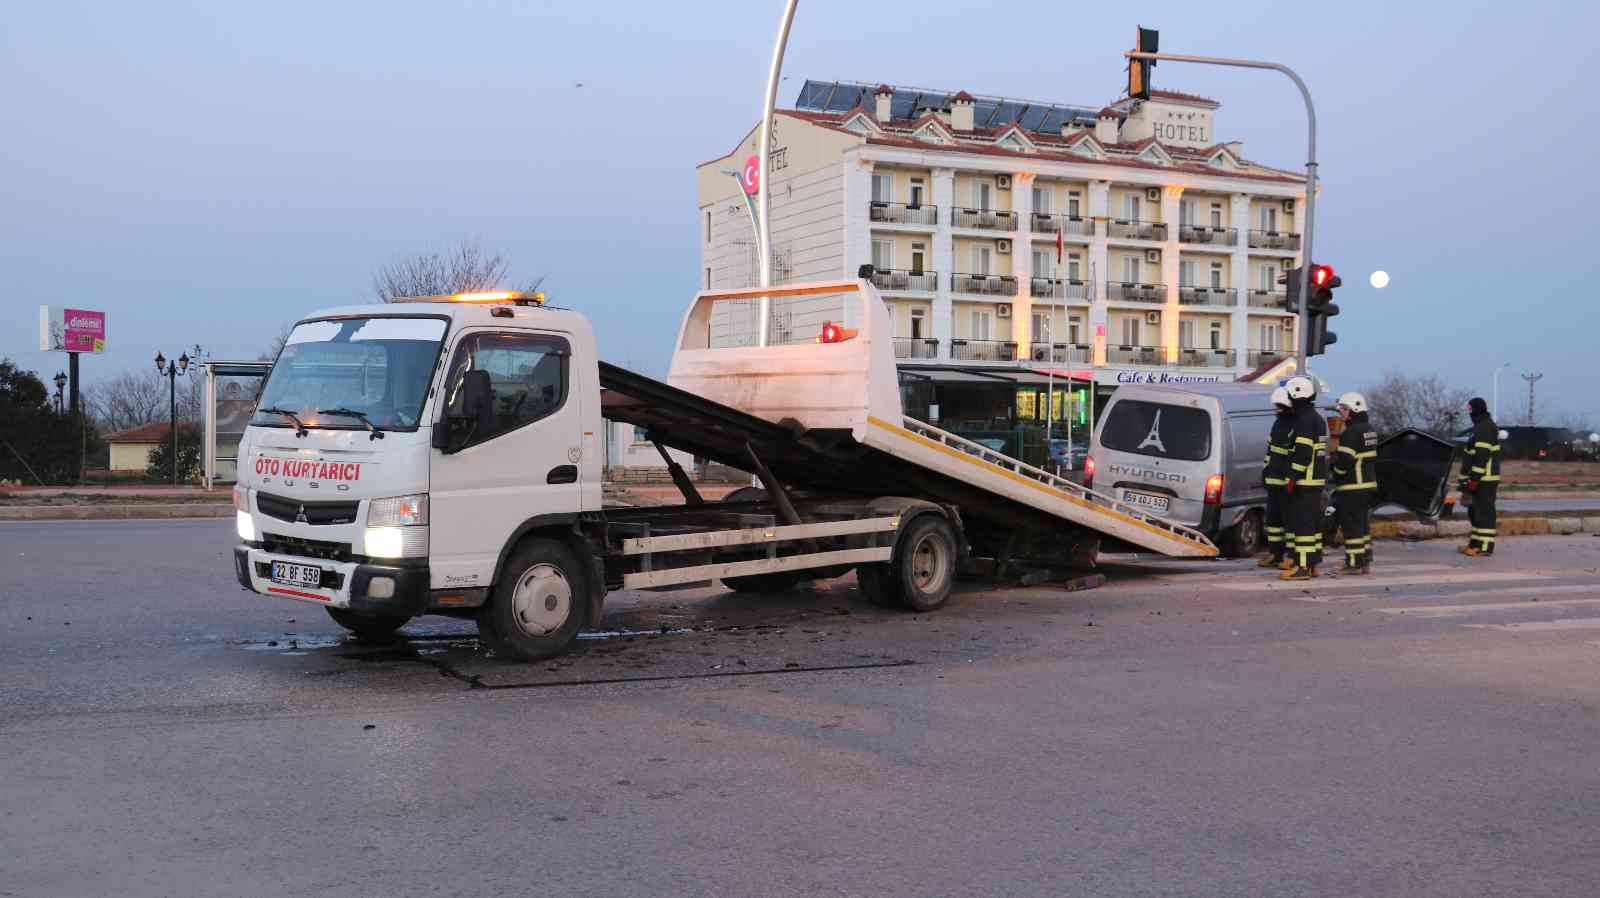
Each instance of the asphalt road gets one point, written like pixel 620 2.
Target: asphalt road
pixel 1188 729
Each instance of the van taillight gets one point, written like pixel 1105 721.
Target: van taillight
pixel 1214 489
pixel 1088 472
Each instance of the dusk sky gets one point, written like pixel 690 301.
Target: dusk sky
pixel 208 172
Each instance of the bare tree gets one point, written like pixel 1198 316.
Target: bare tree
pixel 1398 400
pixel 463 268
pixel 134 398
pixel 278 342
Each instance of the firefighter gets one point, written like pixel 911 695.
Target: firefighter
pixel 1308 473
pixel 1480 478
pixel 1355 482
pixel 1276 473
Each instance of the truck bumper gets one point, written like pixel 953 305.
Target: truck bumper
pixel 388 589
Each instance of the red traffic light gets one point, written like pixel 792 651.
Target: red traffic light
pixel 1322 275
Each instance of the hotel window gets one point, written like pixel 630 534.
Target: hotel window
pixel 1074 266
pixel 1073 204
pixel 1269 218
pixel 1186 213
pixel 1044 263
pixel 1041 328
pixel 1075 329
pixel 883 254
pixel 1130 331
pixel 1041 200
pixel 980 259
pixel 708 227
pixel 1269 337
pixel 980 325
pixel 1130 206
pixel 1186 334
pixel 1130 269
pixel 916 193
pixel 1269 278
pixel 882 188
pixel 708 279
pixel 1186 274
pixel 1216 335
pixel 918 250
pixel 1216 275
pixel 1216 215
pixel 980 194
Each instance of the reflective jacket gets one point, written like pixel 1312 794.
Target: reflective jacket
pixel 1354 466
pixel 1308 462
pixel 1279 446
pixel 1482 459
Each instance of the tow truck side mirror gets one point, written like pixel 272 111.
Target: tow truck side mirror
pixel 455 430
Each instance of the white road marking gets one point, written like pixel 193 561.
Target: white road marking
pixel 1538 589
pixel 1370 581
pixel 1573 623
pixel 1433 611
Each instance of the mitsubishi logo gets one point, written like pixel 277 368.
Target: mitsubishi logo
pixel 300 516
pixel 1154 439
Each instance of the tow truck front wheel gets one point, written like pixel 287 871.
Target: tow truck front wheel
pixel 535 610
pixel 371 627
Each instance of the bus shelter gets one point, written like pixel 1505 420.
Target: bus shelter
pixel 231 389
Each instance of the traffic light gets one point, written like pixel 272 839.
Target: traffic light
pixel 1321 307
pixel 1290 279
pixel 1148 40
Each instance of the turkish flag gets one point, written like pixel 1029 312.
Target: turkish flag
pixel 1058 245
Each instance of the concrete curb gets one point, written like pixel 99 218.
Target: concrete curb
pixel 115 512
pixel 1570 523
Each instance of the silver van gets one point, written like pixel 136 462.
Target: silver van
pixel 1193 454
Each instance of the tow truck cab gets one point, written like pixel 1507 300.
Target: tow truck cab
pixel 398 449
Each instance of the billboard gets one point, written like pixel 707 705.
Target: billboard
pixel 71 330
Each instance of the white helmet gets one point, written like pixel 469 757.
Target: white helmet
pixel 1301 387
pixel 1355 402
pixel 1280 396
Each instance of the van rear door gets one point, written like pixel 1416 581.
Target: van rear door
pixel 1414 472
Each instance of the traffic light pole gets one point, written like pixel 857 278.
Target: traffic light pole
pixel 1304 324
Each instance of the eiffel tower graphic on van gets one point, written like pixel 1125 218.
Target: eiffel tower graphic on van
pixel 1154 439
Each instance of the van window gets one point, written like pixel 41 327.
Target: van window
pixel 1153 428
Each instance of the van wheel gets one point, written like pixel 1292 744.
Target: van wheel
pixel 1242 539
pixel 761 584
pixel 371 627
pixel 923 569
pixel 536 609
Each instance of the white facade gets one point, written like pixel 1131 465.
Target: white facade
pixel 1169 251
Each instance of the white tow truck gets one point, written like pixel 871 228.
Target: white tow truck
pixel 442 456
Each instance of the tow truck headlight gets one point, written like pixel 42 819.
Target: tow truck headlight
pixel 397 542
pixel 246 527
pixel 399 511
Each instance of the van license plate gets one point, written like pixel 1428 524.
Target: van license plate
pixel 1145 500
pixel 296 574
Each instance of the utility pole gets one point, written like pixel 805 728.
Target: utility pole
pixel 1533 380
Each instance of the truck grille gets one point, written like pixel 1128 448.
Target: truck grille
pixel 309 548
pixel 314 512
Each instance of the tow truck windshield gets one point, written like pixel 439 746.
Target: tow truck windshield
pixel 374 370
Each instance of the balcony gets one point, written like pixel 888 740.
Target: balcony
pixel 1070 225
pixel 1268 299
pixel 916 348
pixel 983 351
pixel 894 279
pixel 1134 355
pixel 1205 358
pixel 900 213
pixel 1060 288
pixel 1133 229
pixel 1118 291
pixel 1060 353
pixel 984 284
pixel 1255 358
pixel 984 219
pixel 1206 234
pixel 1207 296
pixel 1274 240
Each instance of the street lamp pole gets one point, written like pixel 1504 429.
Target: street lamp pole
pixel 1311 174
pixel 170 370
pixel 764 230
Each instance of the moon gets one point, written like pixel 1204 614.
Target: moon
pixel 1379 279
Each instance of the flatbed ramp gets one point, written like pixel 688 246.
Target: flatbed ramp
pixel 884 457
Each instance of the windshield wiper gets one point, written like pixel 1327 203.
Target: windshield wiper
pixel 299 429
pixel 373 432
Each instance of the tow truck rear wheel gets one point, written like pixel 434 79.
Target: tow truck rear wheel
pixel 535 610
pixel 371 627
pixel 922 572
